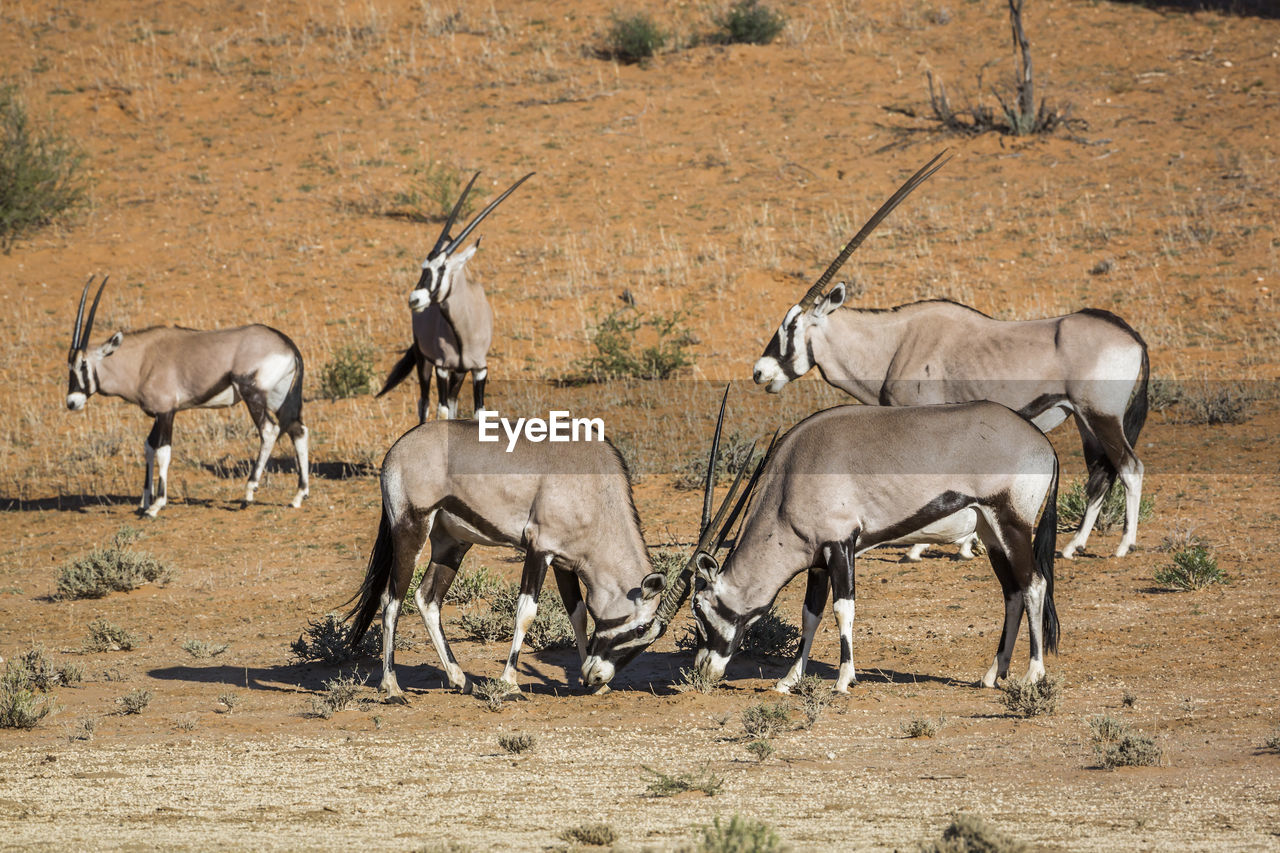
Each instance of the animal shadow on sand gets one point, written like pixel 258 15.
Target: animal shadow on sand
pixel 229 468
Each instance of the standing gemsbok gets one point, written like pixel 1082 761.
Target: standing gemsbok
pixel 850 478
pixel 166 369
pixel 1090 365
pixel 567 506
pixel 452 320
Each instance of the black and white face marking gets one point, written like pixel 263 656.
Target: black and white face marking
pixel 436 282
pixel 81 384
pixel 616 642
pixel 786 357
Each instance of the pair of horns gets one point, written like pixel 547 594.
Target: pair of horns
pixel 811 297
pixel 80 335
pixel 447 245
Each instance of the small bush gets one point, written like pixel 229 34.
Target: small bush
pixel 1226 404
pixel 739 835
pixel 35 669
pixel 1073 502
pixel 83 731
pixel 470 586
pixel 1163 394
pixel 1192 568
pixel 664 785
pixel 766 719
pixel 1031 699
pixel 516 744
pixel 116 568
pixel 551 628
pixel 735 453
pixel 348 373
pixel 134 702
pixel 619 353
pixel 200 650
pixel 971 834
pixel 1272 743
pixel 229 701
pixel 761 749
pixel 815 695
pixel 748 22
pixel 634 38
pixel 591 835
pixel 24 700
pixel 1116 746
pixel 104 636
pixel 41 173
pixel 771 636
pixel 1129 700
pixel 691 679
pixel 493 692
pixel 328 641
pixel 340 693
pixel 919 727
pixel 433 193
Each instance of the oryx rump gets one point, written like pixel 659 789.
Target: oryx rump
pixel 850 478
pixel 164 370
pixel 452 320
pixel 1090 365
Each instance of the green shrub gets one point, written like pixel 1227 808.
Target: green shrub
pixel 104 636
pixel 134 702
pixel 1192 568
pixel 116 568
pixel 668 785
pixel 771 636
pixel 1117 746
pixel 25 699
pixel 766 719
pixel 735 452
pixel 516 744
pixel 1031 699
pixel 41 173
pixel 748 22
pixel 36 669
pixel 470 586
pixel 349 373
pixel 761 749
pixel 739 835
pixel 340 693
pixel 620 354
pixel 200 650
pixel 814 695
pixel 434 191
pixel 971 834
pixel 691 679
pixel 591 835
pixel 493 692
pixel 919 727
pixel 328 641
pixel 1219 404
pixel 1073 502
pixel 551 628
pixel 634 38
pixel 1272 743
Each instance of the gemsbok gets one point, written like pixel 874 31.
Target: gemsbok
pixel 567 506
pixel 1090 365
pixel 850 478
pixel 452 320
pixel 164 370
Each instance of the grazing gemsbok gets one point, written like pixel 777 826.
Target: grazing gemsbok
pixel 452 320
pixel 847 479
pixel 567 506
pixel 166 369
pixel 1091 365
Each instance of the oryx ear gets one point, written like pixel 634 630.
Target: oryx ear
pixel 460 259
pixel 833 300
pixel 112 344
pixel 653 585
pixel 707 567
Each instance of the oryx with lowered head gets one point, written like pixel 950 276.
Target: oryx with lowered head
pixel 452 320
pixel 567 506
pixel 1090 365
pixel 164 370
pixel 850 478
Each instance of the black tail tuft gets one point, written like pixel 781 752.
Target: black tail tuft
pixel 375 582
pixel 1135 414
pixel 1044 545
pixel 402 369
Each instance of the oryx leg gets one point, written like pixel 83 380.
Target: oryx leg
pixel 446 557
pixel 456 378
pixel 478 377
pixel 1101 476
pixel 159 450
pixel 407 538
pixel 571 595
pixel 1125 463
pixel 966 546
pixel 815 599
pixel 916 553
pixel 535 572
pixel 442 393
pixel 843 591
pixel 298 433
pixel 424 387
pixel 268 432
pixel 1004 546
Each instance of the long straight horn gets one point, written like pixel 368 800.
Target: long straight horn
pixel 88 324
pixel 811 298
pixel 75 330
pixel 454 244
pixel 710 482
pixel 442 242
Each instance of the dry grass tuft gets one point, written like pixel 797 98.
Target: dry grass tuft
pixel 1031 699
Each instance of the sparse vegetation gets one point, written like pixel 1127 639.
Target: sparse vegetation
pixel 748 22
pixel 739 835
pixel 620 352
pixel 328 641
pixel 814 695
pixel 229 701
pixel 349 372
pixel 551 628
pixel 200 650
pixel 633 38
pixel 771 636
pixel 668 785
pixel 1117 746
pixel 115 568
pixel 1073 501
pixel 1194 567
pixel 25 686
pixel 494 692
pixel 83 731
pixel 691 679
pixel 1272 743
pixel 761 749
pixel 1031 699
pixel 104 636
pixel 134 702
pixel 920 727
pixel 735 453
pixel 41 172
pixel 972 834
pixel 1217 404
pixel 341 693
pixel 1129 700
pixel 766 719
pixel 434 191
pixel 591 835
pixel 516 744
pixel 472 585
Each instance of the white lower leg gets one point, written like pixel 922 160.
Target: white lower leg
pixel 844 608
pixel 967 545
pixel 269 432
pixel 989 680
pixel 793 676
pixel 390 612
pixel 1132 480
pixel 162 480
pixel 526 611
pixel 915 554
pixel 579 619
pixel 431 619
pixel 1086 527
pixel 304 472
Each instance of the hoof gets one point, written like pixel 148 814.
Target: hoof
pixel 782 687
pixel 396 699
pixel 602 690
